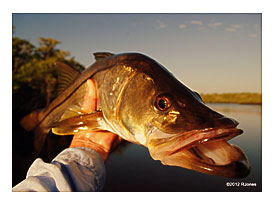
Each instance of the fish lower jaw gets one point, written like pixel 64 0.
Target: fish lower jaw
pixel 217 153
pixel 205 151
pixel 211 146
pixel 215 158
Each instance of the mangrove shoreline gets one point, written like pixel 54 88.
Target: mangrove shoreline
pixel 238 98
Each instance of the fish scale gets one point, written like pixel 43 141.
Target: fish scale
pixel 140 100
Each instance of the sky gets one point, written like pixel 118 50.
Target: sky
pixel 232 62
pixel 209 53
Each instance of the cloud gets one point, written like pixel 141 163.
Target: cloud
pixel 182 26
pixel 230 29
pixel 236 26
pixel 252 35
pixel 196 22
pixel 160 25
pixel 215 24
pixel 211 24
pixel 233 27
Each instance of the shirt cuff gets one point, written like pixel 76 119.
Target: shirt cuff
pixel 83 168
pixel 74 169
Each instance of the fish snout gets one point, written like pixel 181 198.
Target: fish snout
pixel 208 118
pixel 225 122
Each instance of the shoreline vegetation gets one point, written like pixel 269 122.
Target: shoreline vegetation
pixel 239 98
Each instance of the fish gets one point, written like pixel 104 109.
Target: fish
pixel 141 101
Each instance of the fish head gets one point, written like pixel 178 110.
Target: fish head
pixel 186 133
pixel 154 109
pixel 177 127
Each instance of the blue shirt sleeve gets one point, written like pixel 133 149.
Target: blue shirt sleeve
pixel 74 169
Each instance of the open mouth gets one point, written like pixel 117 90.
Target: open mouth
pixel 205 151
pixel 210 146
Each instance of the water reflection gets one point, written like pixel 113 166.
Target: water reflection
pixel 131 168
pixel 228 109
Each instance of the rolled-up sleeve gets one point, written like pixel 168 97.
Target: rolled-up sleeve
pixel 74 169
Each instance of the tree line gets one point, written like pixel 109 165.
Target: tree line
pixel 34 78
pixel 240 98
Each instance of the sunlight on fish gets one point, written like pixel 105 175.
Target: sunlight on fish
pixel 140 100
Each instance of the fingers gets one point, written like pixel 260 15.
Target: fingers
pixel 100 141
pixel 90 98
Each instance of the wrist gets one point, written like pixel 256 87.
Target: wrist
pixel 90 145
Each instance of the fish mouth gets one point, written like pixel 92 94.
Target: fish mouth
pixel 205 151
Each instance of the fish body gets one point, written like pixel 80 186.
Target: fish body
pixel 140 100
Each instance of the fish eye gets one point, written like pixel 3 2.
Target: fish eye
pixel 162 103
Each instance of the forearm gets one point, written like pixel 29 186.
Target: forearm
pixel 74 169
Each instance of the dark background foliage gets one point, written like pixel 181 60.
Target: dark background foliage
pixel 34 83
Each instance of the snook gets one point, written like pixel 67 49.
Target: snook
pixel 144 103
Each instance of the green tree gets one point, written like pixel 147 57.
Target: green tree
pixel 22 52
pixel 47 49
pixel 34 76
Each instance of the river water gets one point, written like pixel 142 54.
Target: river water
pixel 130 167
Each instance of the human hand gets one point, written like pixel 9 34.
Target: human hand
pixel 100 141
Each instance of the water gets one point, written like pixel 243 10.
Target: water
pixel 130 167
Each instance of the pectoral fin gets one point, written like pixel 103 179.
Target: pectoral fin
pixel 77 124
